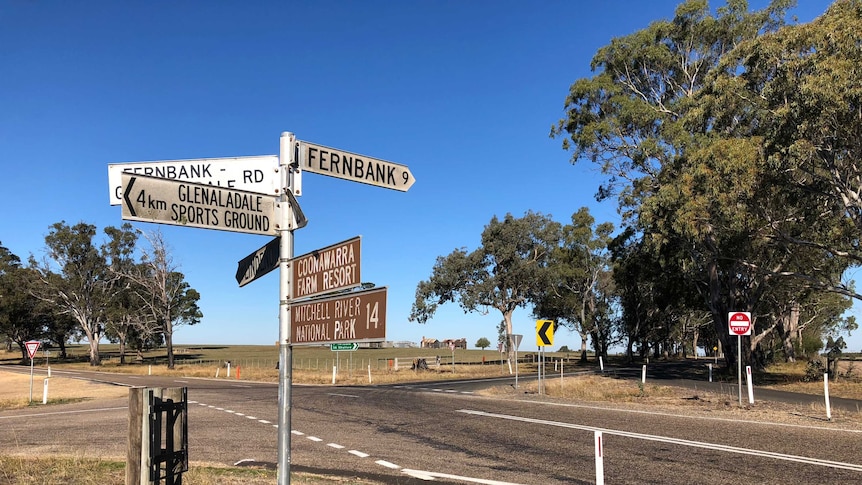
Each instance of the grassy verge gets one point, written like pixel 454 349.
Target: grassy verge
pixel 94 471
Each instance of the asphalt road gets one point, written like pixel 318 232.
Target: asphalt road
pixel 410 434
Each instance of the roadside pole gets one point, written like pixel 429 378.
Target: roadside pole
pixel 31 379
pixel 285 348
pixel 739 366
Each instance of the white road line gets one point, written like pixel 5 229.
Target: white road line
pixel 387 464
pixel 251 417
pixel 358 453
pixel 239 414
pixel 314 438
pixel 177 380
pixel 335 445
pixel 264 421
pixel 237 385
pixel 426 475
pixel 228 411
pixel 297 433
pixel 219 409
pixel 64 412
pixel 711 418
pixel 682 442
pixel 342 395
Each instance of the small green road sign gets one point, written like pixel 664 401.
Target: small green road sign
pixel 353 346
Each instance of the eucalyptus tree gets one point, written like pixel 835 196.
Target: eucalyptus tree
pixel 680 181
pixel 22 317
pixel 507 271
pixel 797 91
pixel 127 320
pixel 580 289
pixel 74 278
pixel 163 291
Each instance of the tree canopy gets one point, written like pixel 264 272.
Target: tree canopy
pixel 719 135
pixel 508 270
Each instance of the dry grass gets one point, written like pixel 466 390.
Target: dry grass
pixel 628 394
pixel 789 377
pixel 76 470
pixel 15 390
pixel 344 376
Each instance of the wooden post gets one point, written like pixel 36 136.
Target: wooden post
pixel 135 452
pixel 153 456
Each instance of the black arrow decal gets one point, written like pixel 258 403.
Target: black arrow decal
pixel 126 196
pixel 543 332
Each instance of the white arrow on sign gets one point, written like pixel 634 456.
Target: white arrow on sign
pixel 254 174
pixel 164 201
pixel 351 166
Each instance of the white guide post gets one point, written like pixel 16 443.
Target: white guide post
pixel 600 460
pixel 750 384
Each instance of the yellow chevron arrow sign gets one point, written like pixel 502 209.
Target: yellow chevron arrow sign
pixel 544 333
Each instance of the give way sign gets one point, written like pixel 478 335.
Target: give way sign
pixel 739 323
pixel 32 347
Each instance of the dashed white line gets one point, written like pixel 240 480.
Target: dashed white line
pixel 358 453
pixel 314 438
pixel 426 475
pixel 297 433
pixel 251 417
pixel 335 445
pixel 264 421
pixel 387 464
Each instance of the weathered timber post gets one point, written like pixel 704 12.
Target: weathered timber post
pixel 158 436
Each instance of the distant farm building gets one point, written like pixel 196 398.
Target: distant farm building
pixel 433 343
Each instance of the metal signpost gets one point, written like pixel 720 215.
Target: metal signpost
pixel 516 341
pixel 739 324
pixel 544 337
pixel 205 194
pixel 32 346
pixel 254 174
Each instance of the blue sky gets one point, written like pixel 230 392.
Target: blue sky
pixel 462 92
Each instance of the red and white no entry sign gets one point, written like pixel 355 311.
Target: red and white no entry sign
pixel 739 323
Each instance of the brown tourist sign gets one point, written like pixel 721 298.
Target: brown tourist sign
pixel 359 316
